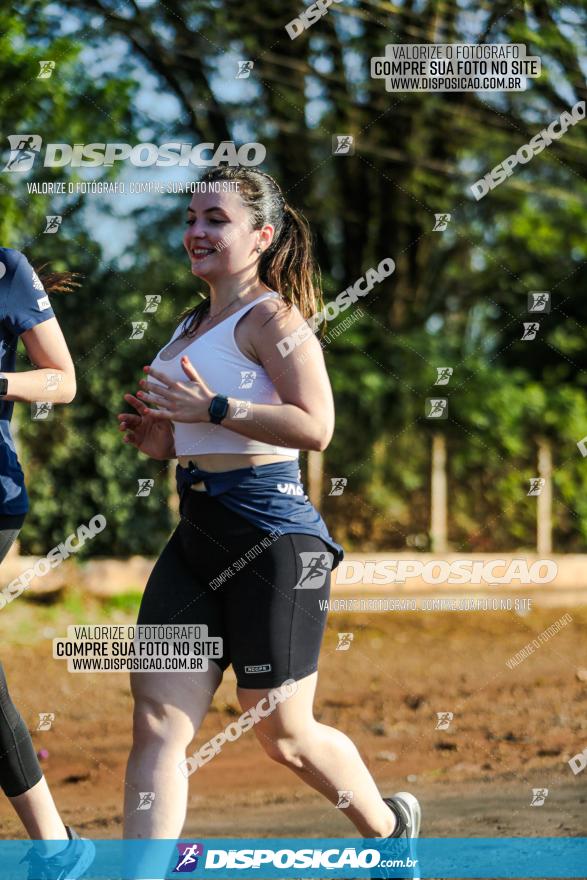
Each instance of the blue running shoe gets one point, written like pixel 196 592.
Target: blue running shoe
pixel 68 864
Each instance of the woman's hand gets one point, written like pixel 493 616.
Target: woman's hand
pixel 177 401
pixel 152 436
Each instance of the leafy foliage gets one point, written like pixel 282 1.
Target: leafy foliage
pixel 457 298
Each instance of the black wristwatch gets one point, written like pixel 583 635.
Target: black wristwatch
pixel 3 385
pixel 218 408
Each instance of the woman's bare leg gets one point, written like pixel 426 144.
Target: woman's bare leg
pixel 323 757
pixel 37 811
pixel 169 708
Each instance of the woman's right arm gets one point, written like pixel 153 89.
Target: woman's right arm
pixel 54 380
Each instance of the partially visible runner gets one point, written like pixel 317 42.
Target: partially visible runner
pixel 26 313
pixel 239 481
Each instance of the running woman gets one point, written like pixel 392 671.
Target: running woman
pixel 25 312
pixel 239 482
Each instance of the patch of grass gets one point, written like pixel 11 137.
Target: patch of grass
pixel 128 602
pixel 28 621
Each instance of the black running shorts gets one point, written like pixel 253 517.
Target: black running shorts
pixel 263 593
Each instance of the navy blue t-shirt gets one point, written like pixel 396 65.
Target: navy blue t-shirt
pixel 23 304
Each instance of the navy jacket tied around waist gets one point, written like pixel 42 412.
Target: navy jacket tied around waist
pixel 270 496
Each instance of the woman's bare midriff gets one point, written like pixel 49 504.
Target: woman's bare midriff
pixel 226 461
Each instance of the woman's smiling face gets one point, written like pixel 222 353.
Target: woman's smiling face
pixel 218 238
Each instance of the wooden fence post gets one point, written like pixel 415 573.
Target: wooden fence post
pixel 172 496
pixel 315 475
pixel 438 495
pixel 544 500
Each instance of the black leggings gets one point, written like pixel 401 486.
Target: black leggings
pixel 263 594
pixel 19 766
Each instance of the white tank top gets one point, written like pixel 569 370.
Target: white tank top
pixel 226 370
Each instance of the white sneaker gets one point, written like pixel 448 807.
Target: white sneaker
pixel 401 844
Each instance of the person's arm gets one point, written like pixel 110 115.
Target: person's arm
pixel 54 380
pixel 304 419
pixel 153 437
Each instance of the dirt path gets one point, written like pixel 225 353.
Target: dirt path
pixel 512 729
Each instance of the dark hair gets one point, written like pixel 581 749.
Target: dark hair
pixel 287 265
pixel 58 282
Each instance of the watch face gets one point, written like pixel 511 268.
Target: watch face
pixel 3 385
pixel 218 407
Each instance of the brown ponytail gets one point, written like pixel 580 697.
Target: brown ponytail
pixel 288 265
pixel 58 282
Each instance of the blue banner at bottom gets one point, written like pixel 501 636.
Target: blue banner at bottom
pixel 520 857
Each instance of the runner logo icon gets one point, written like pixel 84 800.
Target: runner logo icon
pixel 344 799
pixel 343 145
pixel 539 795
pixel 23 151
pixel 146 799
pixel 539 301
pixel 530 331
pixel 46 719
pixel 53 222
pixel 444 719
pixel 187 860
pixel 441 222
pixel 315 568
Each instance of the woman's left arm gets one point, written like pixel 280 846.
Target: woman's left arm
pixel 304 419
pixel 54 380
